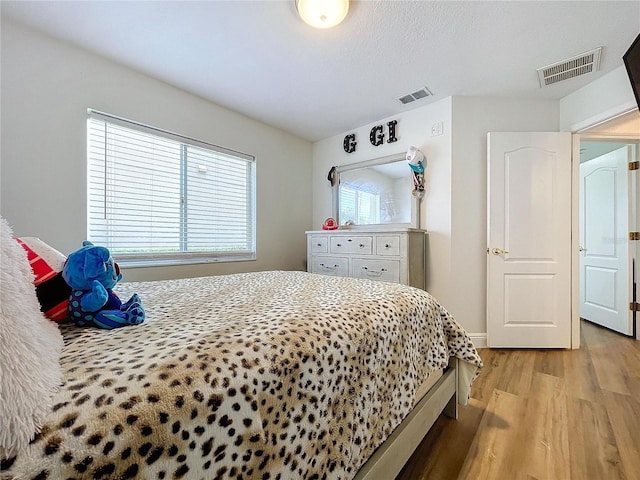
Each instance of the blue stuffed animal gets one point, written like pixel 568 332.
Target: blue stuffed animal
pixel 91 273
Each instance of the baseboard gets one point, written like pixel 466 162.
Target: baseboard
pixel 479 339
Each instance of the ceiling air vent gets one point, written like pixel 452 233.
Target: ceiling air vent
pixel 571 67
pixel 417 95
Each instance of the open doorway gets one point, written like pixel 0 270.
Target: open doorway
pixel 609 219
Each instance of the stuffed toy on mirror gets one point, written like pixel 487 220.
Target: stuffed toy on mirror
pixel 92 273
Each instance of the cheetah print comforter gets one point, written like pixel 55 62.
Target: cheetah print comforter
pixel 271 375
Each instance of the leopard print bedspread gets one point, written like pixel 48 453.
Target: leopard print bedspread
pixel 270 375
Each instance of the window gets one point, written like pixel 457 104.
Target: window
pixel 160 198
pixel 359 205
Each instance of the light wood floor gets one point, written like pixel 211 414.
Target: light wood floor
pixel 552 414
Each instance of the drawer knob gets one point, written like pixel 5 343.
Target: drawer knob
pixel 318 244
pixel 362 245
pixel 349 240
pixel 386 245
pixel 338 244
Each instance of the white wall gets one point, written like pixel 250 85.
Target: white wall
pixel 473 118
pixel 454 207
pixel 627 125
pixel 46 88
pixel 600 100
pixel 413 128
pixel 596 110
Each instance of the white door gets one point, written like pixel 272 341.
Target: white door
pixel 605 284
pixel 529 240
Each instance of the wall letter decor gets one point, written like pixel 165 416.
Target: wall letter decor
pixel 392 131
pixel 376 136
pixel 350 143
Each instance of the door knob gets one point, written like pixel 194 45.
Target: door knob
pixel 582 249
pixel 498 251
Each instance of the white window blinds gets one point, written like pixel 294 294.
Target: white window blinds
pixel 157 197
pixel 358 205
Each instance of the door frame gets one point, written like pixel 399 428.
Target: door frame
pixel 579 133
pixel 575 241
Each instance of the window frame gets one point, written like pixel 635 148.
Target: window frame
pixel 149 259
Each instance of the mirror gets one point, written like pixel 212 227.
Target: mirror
pixel 376 192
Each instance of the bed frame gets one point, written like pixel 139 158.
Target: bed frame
pixel 388 460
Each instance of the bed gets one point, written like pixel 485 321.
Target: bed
pixel 266 375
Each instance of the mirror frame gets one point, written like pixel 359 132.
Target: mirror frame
pixel 415 201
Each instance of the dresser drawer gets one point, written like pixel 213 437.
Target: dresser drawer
pixel 388 245
pixel 390 255
pixel 356 244
pixel 385 270
pixel 330 266
pixel 319 244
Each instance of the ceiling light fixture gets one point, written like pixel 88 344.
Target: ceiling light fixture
pixel 322 13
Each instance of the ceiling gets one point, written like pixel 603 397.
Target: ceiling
pixel 259 59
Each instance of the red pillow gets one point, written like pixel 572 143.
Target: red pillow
pixel 51 289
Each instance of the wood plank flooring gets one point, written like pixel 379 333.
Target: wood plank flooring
pixel 543 415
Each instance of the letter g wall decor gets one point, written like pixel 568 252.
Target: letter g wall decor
pixel 376 137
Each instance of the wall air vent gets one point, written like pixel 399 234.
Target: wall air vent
pixel 582 64
pixel 417 95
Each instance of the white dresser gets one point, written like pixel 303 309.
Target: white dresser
pixel 396 256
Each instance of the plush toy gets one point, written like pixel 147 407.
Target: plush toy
pixel 91 273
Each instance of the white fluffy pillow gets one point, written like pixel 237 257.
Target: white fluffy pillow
pixel 30 346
